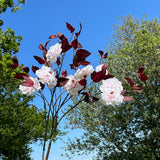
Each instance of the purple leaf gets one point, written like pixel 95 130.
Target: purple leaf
pixel 138 88
pixel 142 77
pixel 26 69
pixel 34 69
pixel 70 27
pixel 83 82
pixel 53 36
pixel 82 53
pixel 105 55
pixel 130 82
pixel 84 63
pixel 40 60
pixel 77 34
pixel 141 69
pixel 61 81
pixel 74 44
pixel 20 75
pixel 41 47
pixel 64 74
pixel 58 61
pixel 101 52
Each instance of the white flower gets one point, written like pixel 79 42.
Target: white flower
pixel 111 91
pixel 72 86
pixel 84 72
pixel 30 90
pixel 99 68
pixel 53 53
pixel 47 75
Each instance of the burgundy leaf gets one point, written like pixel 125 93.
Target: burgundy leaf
pixel 130 82
pixel 42 85
pixel 58 61
pixel 141 69
pixel 77 34
pixel 109 75
pixel 79 45
pixel 53 36
pixel 84 63
pixel 97 76
pixel 77 60
pixel 70 27
pixel 105 55
pixel 41 47
pixel 101 52
pixel 15 59
pixel 20 75
pixel 128 98
pixel 34 69
pixel 83 82
pixel 61 81
pixel 73 66
pixel 64 74
pixel 142 77
pixel 65 45
pixel 60 35
pixel 74 44
pixel 26 69
pixel 82 53
pixel 13 66
pixel 138 88
pixel 40 60
pixel 46 44
pixel 86 98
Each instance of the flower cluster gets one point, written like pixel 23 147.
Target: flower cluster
pixel 111 89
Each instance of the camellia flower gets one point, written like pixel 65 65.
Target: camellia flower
pixel 72 86
pixel 84 72
pixel 53 53
pixel 47 75
pixel 30 89
pixel 111 91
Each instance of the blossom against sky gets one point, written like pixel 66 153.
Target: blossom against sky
pixel 42 18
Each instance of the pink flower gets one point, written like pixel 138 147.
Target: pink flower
pixel 84 72
pixel 29 90
pixel 53 53
pixel 72 86
pixel 47 75
pixel 111 91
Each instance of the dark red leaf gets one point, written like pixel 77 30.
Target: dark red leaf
pixel 77 34
pixel 109 75
pixel 64 74
pixel 65 45
pixel 53 36
pixel 130 82
pixel 82 53
pixel 20 75
pixel 74 44
pixel 41 47
pixel 128 98
pixel 141 69
pixel 138 88
pixel 97 76
pixel 142 77
pixel 77 60
pixel 60 35
pixel 84 63
pixel 26 69
pixel 105 55
pixel 73 66
pixel 86 98
pixel 42 85
pixel 101 52
pixel 79 45
pixel 46 44
pixel 58 61
pixel 61 81
pixel 70 27
pixel 13 66
pixel 40 60
pixel 15 59
pixel 34 69
pixel 83 82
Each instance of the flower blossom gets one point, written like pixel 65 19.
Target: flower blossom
pixel 53 53
pixel 72 86
pixel 111 91
pixel 29 90
pixel 47 75
pixel 84 72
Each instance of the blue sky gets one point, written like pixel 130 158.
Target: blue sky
pixel 41 18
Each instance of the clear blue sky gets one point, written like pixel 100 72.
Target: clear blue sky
pixel 41 18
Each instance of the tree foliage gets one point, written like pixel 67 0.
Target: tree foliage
pixel 131 130
pixel 20 122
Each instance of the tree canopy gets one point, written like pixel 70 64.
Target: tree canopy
pixel 131 130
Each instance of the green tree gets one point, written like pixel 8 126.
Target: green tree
pixel 131 130
pixel 20 122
